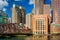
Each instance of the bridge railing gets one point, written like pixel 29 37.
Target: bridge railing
pixel 13 28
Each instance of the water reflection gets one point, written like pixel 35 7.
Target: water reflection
pixel 13 38
pixel 37 38
pixel 51 37
pixel 55 37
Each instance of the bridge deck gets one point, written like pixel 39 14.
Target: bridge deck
pixel 9 34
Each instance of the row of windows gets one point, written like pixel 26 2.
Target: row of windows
pixel 39 33
pixel 41 29
pixel 40 24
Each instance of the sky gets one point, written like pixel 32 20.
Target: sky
pixel 6 5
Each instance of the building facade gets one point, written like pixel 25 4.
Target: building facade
pixel 3 17
pixel 38 6
pixel 40 24
pixel 56 11
pixel 18 14
pixel 22 15
pixel 40 17
pixel 55 27
pixel 29 20
pixel 14 14
pixel 46 10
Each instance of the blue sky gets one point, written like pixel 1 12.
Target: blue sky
pixel 6 5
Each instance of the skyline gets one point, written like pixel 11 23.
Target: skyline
pixel 6 5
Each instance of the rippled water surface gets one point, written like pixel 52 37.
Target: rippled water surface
pixel 53 37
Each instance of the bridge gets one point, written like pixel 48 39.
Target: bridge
pixel 13 34
pixel 14 29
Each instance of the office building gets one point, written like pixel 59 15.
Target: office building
pixel 29 20
pixel 3 17
pixel 14 14
pixel 46 10
pixel 56 11
pixel 40 17
pixel 38 6
pixel 22 14
pixel 40 24
pixel 18 15
pixel 55 26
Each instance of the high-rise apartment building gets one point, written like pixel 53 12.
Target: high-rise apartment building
pixel 38 6
pixel 56 11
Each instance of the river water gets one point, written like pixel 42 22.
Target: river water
pixel 52 37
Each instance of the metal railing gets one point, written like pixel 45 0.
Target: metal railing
pixel 13 28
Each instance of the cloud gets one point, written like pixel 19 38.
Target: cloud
pixel 3 4
pixel 31 2
pixel 17 0
pixel 9 18
pixel 4 9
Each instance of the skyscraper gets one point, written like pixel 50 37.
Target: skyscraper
pixel 22 15
pixel 29 20
pixel 3 17
pixel 38 5
pixel 55 26
pixel 18 14
pixel 46 10
pixel 56 11
pixel 14 14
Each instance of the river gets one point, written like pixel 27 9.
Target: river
pixel 52 37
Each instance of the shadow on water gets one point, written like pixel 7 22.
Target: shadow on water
pixel 12 37
pixel 49 37
pixel 7 37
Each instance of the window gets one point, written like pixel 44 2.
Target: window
pixel 40 25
